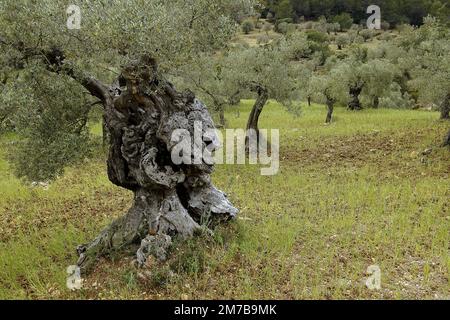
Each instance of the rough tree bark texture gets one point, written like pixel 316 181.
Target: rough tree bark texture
pixel 142 111
pixel 354 103
pixel 253 119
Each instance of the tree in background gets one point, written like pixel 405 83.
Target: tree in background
pixel 209 76
pixel 247 26
pixel 284 10
pixel 379 75
pixel 395 12
pixel 265 72
pixel 342 40
pixel 427 57
pixel 325 89
pixel 361 77
pixel 344 20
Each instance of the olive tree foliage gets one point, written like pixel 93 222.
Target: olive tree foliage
pixel 342 40
pixel 120 58
pixel 359 76
pixel 396 98
pixel 267 73
pixel 302 46
pixel 209 76
pixel 427 56
pixel 34 36
pixel 325 88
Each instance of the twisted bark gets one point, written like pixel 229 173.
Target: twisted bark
pixel 141 112
pixel 253 119
pixel 169 200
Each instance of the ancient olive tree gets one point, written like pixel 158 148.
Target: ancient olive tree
pixel 118 59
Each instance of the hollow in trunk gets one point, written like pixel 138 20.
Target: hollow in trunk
pixel 171 198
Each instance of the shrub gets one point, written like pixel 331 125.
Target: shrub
pixel 342 40
pixel 345 20
pixel 359 40
pixel 247 26
pixel 308 25
pixel 267 27
pixel 285 28
pixel 333 27
pixel 366 34
pixel 263 39
pixel 385 25
pixel 317 36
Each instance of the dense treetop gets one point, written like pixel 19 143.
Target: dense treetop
pixel 393 11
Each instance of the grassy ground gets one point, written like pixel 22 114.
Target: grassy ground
pixel 353 194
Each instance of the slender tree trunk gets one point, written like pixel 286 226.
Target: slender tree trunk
pixel 445 108
pixel 222 120
pixel 253 119
pixel 376 102
pixel 447 140
pixel 330 109
pixel 171 198
pixel 354 103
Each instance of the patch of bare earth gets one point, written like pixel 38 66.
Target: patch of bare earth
pixel 393 151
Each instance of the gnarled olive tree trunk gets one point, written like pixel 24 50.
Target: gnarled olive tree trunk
pixel 142 111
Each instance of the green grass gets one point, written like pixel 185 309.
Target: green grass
pixel 349 195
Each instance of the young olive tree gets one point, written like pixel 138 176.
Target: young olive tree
pixel 325 89
pixel 208 76
pixel 267 73
pixel 117 58
pixel 379 74
pixel 342 40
